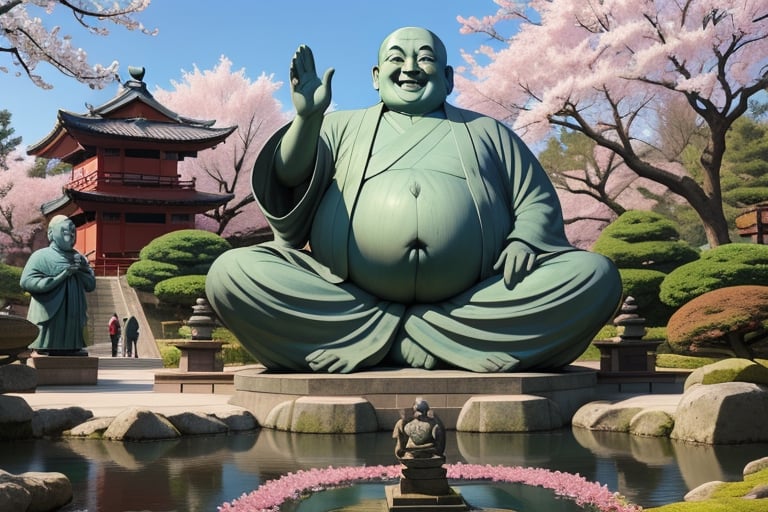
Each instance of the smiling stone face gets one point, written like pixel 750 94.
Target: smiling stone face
pixel 412 76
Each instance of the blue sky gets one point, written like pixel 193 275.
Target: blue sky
pixel 257 35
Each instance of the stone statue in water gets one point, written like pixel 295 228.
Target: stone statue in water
pixel 421 436
pixel 58 277
pixel 412 234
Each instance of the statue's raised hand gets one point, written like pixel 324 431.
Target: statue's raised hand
pixel 309 94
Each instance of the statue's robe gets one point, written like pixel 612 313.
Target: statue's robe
pixel 296 309
pixel 59 309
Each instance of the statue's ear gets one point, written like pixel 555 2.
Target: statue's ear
pixel 449 78
pixel 375 74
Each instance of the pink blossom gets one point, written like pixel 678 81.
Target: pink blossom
pixel 269 496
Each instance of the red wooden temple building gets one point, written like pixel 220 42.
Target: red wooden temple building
pixel 125 189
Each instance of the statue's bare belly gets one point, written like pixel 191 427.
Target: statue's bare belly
pixel 415 236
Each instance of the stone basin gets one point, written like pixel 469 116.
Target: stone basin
pixel 16 334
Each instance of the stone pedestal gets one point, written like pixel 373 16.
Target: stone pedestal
pixel 176 381
pixel 398 501
pixel 627 356
pixel 390 391
pixel 65 370
pixel 200 356
pixel 423 487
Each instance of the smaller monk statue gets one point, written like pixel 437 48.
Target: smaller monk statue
pixel 58 277
pixel 421 436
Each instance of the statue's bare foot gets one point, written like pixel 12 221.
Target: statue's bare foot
pixel 331 361
pixel 491 362
pixel 415 356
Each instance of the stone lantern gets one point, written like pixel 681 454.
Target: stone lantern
pixel 201 354
pixel 628 352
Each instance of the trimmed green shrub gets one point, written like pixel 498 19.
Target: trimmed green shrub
pixel 643 285
pixel 187 252
pixel 746 195
pixel 145 274
pixel 644 240
pixel 645 245
pixel 641 226
pixel 10 291
pixel 727 265
pixel 181 290
pixel 186 247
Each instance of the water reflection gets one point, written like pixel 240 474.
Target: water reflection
pixel 200 473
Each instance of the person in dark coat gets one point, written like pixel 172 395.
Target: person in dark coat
pixel 132 336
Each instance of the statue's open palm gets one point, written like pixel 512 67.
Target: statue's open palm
pixel 309 94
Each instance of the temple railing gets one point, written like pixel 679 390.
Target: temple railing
pixel 94 180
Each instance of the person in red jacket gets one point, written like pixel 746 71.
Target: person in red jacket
pixel 114 332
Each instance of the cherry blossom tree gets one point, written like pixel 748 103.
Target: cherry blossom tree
pixel 608 68
pixel 28 42
pixel 230 98
pixel 21 196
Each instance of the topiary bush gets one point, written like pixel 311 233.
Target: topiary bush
pixel 731 321
pixel 727 265
pixel 181 290
pixel 10 290
pixel 645 245
pixel 643 285
pixel 647 240
pixel 187 252
pixel 145 274
pixel 186 248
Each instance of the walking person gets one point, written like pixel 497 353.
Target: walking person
pixel 132 336
pixel 114 332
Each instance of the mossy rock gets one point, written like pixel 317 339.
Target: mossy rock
pixel 729 370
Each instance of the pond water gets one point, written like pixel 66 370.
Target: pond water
pixel 200 473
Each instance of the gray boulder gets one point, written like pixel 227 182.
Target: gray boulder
pixel 195 423
pixel 605 416
pixel 703 492
pixel 14 497
pixel 47 491
pixel 15 418
pixel 17 378
pixel 93 428
pixel 52 422
pixel 140 425
pixel 759 492
pixel 651 423
pixel 727 413
pixel 240 420
pixel 733 369
pixel 509 413
pixel 755 466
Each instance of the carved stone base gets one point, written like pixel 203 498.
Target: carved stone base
pixel 397 501
pixel 65 370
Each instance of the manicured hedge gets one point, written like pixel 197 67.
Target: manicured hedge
pixel 644 246
pixel 727 265
pixel 145 274
pixel 644 240
pixel 10 291
pixel 186 247
pixel 187 252
pixel 643 285
pixel 182 290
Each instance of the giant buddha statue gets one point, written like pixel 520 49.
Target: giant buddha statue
pixel 409 234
